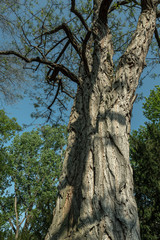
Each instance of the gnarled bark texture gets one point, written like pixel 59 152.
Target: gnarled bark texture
pixel 96 198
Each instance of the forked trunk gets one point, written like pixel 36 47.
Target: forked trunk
pixel 96 198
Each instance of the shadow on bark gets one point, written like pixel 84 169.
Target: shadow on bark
pixel 85 216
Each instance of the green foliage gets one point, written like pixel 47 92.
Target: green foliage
pixel 29 190
pixel 152 105
pixel 145 159
pixel 33 18
pixel 8 128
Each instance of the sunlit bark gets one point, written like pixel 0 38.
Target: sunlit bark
pixel 96 198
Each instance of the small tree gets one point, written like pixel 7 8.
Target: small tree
pixel 34 162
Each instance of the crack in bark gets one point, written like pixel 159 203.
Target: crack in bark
pixel 115 144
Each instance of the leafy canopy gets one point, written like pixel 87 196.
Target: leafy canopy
pixel 145 159
pixel 152 105
pixel 33 163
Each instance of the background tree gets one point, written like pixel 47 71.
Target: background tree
pixel 29 189
pixel 8 128
pixel 12 80
pixel 145 156
pixel 96 198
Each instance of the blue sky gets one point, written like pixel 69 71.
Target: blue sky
pixel 137 113
pixel 23 108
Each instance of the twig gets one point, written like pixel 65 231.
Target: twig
pixel 79 15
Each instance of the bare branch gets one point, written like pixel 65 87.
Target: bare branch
pixel 73 42
pixel 61 103
pixel 59 85
pixel 65 71
pixel 69 34
pixel 56 45
pixel 49 107
pixel 67 93
pixel 79 15
pixel 63 50
pixel 125 2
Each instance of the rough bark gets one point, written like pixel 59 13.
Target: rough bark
pixel 96 200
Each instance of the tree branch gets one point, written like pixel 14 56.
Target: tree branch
pixel 65 71
pixel 157 37
pixel 63 50
pixel 125 2
pixel 73 42
pixel 16 211
pixel 55 45
pixel 57 59
pixel 67 93
pixel 78 14
pixel 69 34
pixel 103 11
pixel 59 86
pixel 12 226
pixel 148 4
pixel 136 52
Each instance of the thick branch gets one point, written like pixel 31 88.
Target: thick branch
pixel 52 78
pixel 65 71
pixel 103 11
pixel 57 59
pixel 132 62
pixel 148 4
pixel 78 15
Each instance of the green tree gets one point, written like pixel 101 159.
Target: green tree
pixel 71 45
pixel 8 128
pixel 152 106
pixel 145 159
pixel 33 163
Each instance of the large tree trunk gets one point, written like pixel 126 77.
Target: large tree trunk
pixel 96 198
